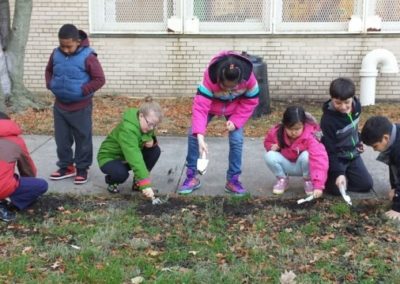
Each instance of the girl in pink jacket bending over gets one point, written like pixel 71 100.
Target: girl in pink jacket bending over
pixel 293 149
pixel 229 89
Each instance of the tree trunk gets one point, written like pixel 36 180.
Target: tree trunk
pixel 5 83
pixel 14 43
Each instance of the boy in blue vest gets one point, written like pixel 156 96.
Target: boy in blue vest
pixel 73 74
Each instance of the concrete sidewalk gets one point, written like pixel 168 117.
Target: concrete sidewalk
pixel 170 169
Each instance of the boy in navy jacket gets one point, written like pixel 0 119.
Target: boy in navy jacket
pixel 339 125
pixel 384 137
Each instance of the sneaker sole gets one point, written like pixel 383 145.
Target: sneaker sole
pixel 235 193
pixel 62 177
pixel 278 192
pixel 81 181
pixel 186 192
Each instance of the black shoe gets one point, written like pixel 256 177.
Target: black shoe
pixel 5 214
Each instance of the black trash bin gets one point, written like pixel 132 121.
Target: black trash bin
pixel 261 73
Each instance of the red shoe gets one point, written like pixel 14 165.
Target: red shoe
pixel 63 173
pixel 81 176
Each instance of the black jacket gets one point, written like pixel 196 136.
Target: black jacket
pixel 340 135
pixel 391 157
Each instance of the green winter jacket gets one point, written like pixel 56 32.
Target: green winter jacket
pixel 125 143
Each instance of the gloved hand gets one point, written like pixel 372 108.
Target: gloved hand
pixel 148 192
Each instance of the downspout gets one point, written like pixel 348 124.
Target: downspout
pixel 377 57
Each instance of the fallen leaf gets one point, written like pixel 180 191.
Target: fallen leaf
pixel 287 277
pixel 27 250
pixel 137 280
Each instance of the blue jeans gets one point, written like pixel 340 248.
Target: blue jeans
pixel 281 167
pixel 235 151
pixel 28 191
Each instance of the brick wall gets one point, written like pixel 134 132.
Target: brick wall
pixel 298 66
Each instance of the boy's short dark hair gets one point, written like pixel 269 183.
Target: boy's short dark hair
pixel 68 31
pixel 342 89
pixel 374 129
pixel 4 116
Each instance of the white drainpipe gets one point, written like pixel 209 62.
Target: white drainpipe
pixel 377 57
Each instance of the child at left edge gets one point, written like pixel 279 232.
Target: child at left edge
pixel 384 136
pixel 18 190
pixel 293 149
pixel 73 74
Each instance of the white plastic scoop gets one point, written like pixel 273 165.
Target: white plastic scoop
pixel 156 201
pixel 342 189
pixel 202 164
pixel 308 198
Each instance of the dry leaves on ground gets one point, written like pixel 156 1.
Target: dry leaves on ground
pixel 108 110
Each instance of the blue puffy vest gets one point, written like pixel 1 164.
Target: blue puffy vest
pixel 69 75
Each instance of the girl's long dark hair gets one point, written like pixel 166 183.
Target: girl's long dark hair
pixel 291 116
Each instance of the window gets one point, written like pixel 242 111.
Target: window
pixel 130 16
pixel 315 15
pixel 241 16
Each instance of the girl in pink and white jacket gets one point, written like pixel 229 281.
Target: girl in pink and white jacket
pixel 293 149
pixel 229 89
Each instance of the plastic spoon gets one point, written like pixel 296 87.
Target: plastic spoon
pixel 202 164
pixel 156 201
pixel 342 189
pixel 308 198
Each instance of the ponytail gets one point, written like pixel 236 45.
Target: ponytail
pixel 230 69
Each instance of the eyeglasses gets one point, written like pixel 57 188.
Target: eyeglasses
pixel 150 125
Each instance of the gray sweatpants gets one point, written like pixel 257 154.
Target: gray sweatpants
pixel 70 127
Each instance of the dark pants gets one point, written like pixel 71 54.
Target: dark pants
pixel 70 127
pixel 28 191
pixel 357 175
pixel 117 171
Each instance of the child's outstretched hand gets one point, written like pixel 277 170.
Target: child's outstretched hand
pixel 202 144
pixel 148 192
pixel 230 126
pixel 341 181
pixel 394 215
pixel 391 194
pixel 360 147
pixel 317 193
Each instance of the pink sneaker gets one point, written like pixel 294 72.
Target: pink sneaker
pixel 282 183
pixel 308 187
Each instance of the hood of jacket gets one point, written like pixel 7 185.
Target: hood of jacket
pixel 9 128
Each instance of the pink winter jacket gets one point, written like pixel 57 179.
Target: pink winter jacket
pixel 238 104
pixel 318 158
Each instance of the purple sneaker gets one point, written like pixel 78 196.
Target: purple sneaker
pixel 190 184
pixel 282 183
pixel 234 186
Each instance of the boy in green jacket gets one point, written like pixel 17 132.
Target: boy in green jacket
pixel 132 145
